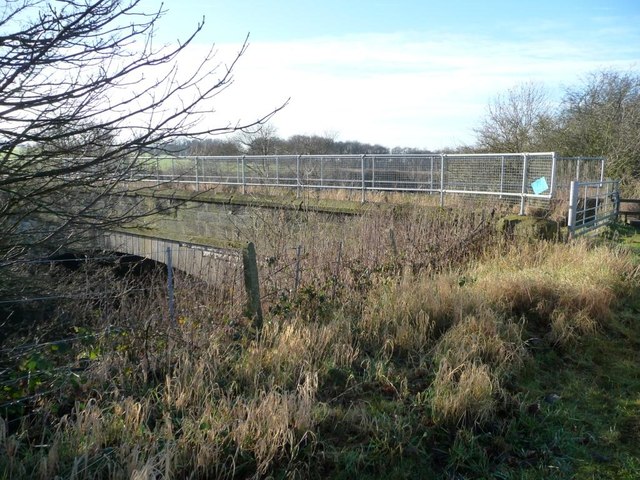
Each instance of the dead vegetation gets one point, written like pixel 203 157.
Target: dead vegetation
pixel 392 347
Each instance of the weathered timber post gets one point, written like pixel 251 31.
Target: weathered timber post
pixel 296 283
pixel 392 241
pixel 252 285
pixel 337 274
pixel 170 292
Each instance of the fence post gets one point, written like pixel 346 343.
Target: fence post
pixel 601 170
pixel 585 203
pixel 277 170
pixel 170 293
pixel 501 175
pixel 373 172
pixel 362 188
pixel 296 282
pixel 244 178
pixel 252 285
pixel 298 176
pixel 394 245
pixel 337 274
pixel 554 166
pixel 157 170
pixel 431 177
pixel 442 164
pixel 573 207
pixel 173 169
pixel 523 191
pixel 597 206
pixel 197 179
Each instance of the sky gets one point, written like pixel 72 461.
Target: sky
pixel 399 73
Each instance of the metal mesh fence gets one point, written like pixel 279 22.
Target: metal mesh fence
pixel 518 176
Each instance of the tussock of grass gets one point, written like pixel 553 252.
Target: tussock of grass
pixel 568 289
pixel 465 393
pixel 406 316
pixel 274 421
pixel 486 339
pixel 473 357
pixel 288 349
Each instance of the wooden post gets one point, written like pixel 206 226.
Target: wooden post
pixel 170 293
pixel 252 285
pixel 296 283
pixel 392 241
pixel 337 274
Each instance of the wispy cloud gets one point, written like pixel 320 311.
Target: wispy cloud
pixel 409 89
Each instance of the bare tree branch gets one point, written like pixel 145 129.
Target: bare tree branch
pixel 85 98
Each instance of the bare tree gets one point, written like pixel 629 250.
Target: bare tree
pixel 518 121
pixel 85 96
pixel 601 117
pixel 263 140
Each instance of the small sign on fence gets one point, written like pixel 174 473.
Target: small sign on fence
pixel 540 186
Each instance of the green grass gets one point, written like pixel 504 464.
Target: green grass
pixel 593 429
pixel 625 234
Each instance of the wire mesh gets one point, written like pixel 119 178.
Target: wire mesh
pixel 508 176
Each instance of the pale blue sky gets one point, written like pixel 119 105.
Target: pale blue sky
pixel 410 73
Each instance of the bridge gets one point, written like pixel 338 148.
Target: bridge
pixel 205 262
pixel 204 229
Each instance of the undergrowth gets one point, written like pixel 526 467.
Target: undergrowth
pixel 397 357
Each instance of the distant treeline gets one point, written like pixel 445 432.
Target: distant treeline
pixel 266 142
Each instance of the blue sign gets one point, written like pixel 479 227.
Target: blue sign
pixel 540 186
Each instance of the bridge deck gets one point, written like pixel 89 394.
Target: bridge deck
pixel 202 261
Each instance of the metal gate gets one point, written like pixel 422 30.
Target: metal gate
pixel 592 205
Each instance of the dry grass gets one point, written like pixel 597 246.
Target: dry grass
pixel 406 316
pixel 474 357
pixel 464 394
pixel 383 341
pixel 567 289
pixel 483 338
pixel 289 350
